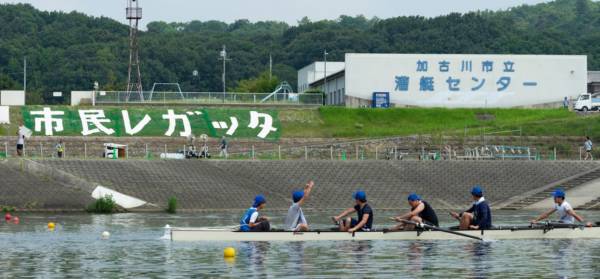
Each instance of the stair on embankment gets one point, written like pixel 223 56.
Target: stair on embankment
pixel 547 191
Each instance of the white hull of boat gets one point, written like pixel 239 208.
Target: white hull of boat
pixel 198 234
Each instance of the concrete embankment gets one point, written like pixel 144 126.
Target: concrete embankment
pixel 221 185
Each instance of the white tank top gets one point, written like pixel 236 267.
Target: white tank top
pixel 562 212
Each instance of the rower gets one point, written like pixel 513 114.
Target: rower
pixel 420 212
pixel 479 216
pixel 295 220
pixel 365 215
pixel 564 209
pixel 251 222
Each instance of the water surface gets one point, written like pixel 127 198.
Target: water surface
pixel 75 249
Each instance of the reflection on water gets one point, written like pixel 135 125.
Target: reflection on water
pixel 75 249
pixel 480 251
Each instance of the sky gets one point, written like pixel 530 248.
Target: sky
pixel 289 11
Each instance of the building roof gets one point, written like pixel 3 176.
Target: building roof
pixel 335 75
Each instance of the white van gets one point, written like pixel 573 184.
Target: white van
pixel 587 102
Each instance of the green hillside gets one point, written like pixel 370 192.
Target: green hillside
pixel 69 51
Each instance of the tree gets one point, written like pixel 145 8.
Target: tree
pixel 260 84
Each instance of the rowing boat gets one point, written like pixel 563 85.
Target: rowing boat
pixel 505 233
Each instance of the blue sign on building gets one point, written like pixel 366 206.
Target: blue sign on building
pixel 381 100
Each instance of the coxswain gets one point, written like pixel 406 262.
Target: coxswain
pixel 251 221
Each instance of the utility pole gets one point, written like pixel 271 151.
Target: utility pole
pixel 224 77
pixel 270 66
pixel 25 75
pixel 325 73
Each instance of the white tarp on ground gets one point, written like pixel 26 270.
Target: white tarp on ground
pixel 122 200
pixel 4 115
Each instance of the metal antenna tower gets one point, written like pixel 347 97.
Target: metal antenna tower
pixel 134 84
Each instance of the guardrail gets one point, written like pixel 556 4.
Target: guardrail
pixel 231 98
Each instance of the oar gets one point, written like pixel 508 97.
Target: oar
pixel 433 228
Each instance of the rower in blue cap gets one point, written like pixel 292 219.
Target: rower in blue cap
pixel 564 209
pixel 295 220
pixel 251 222
pixel 365 215
pixel 479 216
pixel 420 212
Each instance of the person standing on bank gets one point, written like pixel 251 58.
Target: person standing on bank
pixel 60 149
pixel 588 145
pixel 224 146
pixel 20 139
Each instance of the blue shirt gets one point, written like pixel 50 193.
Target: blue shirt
pixel 482 215
pixel 245 221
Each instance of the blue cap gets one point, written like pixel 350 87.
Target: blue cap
pixel 360 195
pixel 559 193
pixel 258 200
pixel 477 191
pixel 297 196
pixel 414 197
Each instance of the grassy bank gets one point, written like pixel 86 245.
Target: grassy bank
pixel 354 123
pixel 327 122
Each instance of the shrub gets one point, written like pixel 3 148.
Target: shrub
pixel 104 205
pixel 172 205
pixel 8 208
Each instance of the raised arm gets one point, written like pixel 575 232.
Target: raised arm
pixel 307 190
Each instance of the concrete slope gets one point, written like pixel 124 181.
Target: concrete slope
pixel 27 189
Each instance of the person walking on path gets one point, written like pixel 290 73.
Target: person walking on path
pixel 588 145
pixel 20 139
pixel 224 146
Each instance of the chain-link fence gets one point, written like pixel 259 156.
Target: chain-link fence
pixel 193 98
pixel 358 150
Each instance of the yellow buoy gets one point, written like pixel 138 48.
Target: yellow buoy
pixel 51 225
pixel 229 252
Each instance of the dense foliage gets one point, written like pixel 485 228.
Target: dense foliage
pixel 70 51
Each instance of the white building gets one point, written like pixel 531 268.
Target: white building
pixel 316 71
pixel 457 80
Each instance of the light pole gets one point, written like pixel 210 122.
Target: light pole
pixel 223 57
pixel 195 75
pixel 325 74
pixel 96 88
pixel 25 75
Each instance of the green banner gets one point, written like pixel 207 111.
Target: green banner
pixel 155 122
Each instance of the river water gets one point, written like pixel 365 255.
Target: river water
pixel 75 249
